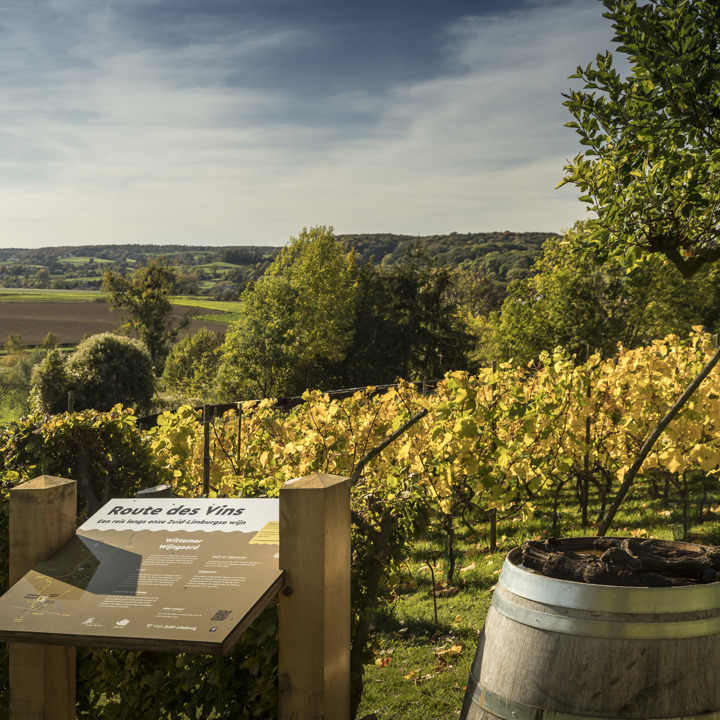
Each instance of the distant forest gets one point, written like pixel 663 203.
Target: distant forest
pixel 224 272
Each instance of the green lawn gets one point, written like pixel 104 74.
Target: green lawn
pixel 226 311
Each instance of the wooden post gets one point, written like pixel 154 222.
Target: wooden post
pixel 42 519
pixel 314 665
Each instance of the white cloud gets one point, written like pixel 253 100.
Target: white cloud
pixel 124 143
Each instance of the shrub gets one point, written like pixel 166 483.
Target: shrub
pixel 49 384
pixel 105 370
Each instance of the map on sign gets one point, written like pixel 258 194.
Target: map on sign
pixel 176 574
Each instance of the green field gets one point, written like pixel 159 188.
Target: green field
pixel 61 296
pixel 218 265
pixel 41 295
pixel 222 311
pixel 84 260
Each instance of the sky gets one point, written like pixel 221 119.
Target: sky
pixel 240 122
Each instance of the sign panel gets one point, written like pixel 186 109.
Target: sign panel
pixel 175 574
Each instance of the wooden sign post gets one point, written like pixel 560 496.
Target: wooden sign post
pixel 314 569
pixel 42 520
pixel 314 664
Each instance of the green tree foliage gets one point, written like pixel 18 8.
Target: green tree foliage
pixel 50 341
pixel 298 318
pixel 424 335
pixel 580 303
pixel 191 367
pixel 145 296
pixel 16 367
pixel 105 370
pixel 50 384
pixel 317 319
pixel 409 324
pixel 651 162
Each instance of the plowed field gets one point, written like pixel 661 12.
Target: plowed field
pixel 71 321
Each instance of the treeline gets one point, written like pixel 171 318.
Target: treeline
pixel 224 272
pixel 320 317
pixel 504 255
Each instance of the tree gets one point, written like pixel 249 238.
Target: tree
pixel 651 164
pixel 651 168
pixel 16 368
pixel 298 319
pixel 408 323
pixel 50 384
pixel 105 370
pixel 579 303
pixel 145 296
pixel 191 367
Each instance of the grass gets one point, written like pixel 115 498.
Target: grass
pixel 219 264
pixel 421 666
pixel 8 413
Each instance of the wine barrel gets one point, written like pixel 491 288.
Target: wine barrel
pixel 558 650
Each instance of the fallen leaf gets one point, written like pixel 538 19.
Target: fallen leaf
pixel 452 650
pixel 446 592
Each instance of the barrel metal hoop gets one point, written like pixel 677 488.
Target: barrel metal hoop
pixel 512 710
pixel 604 628
pixel 606 598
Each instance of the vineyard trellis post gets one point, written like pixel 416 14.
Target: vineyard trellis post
pixel 206 450
pixel 492 512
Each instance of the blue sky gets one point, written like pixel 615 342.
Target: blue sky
pixel 239 122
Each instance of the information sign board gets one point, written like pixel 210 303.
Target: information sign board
pixel 175 574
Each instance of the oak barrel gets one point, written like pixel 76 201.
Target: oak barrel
pixel 558 650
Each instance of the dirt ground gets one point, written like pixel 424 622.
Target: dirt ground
pixel 70 321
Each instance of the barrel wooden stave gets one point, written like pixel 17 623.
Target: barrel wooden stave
pixel 523 668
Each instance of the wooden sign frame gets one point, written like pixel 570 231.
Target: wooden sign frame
pixel 314 632
pixel 160 574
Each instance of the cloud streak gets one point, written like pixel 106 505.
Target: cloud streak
pixel 195 135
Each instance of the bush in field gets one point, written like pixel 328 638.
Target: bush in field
pixel 105 370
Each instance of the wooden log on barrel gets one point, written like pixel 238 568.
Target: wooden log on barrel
pixel 559 648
